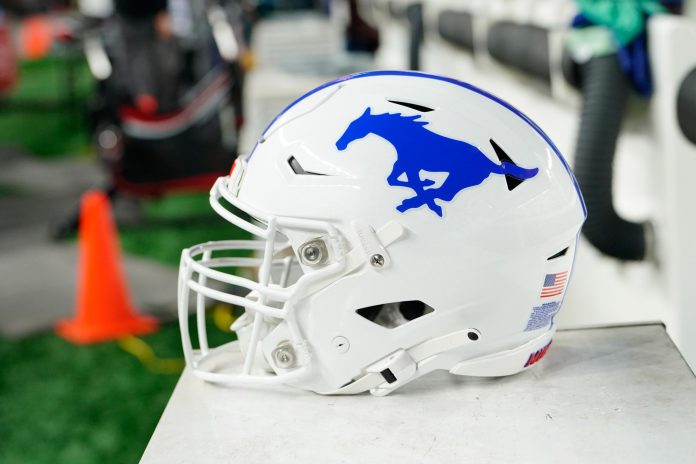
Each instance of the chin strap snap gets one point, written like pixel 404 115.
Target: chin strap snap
pixel 389 373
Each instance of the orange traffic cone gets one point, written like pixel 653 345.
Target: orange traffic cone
pixel 36 37
pixel 104 310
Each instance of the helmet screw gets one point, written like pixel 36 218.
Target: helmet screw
pixel 314 252
pixel 341 344
pixel 311 253
pixel 377 260
pixel 284 355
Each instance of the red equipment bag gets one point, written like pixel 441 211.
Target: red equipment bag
pixel 8 59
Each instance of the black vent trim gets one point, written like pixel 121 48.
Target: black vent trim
pixel 413 106
pixel 558 255
pixel 299 170
pixel 511 181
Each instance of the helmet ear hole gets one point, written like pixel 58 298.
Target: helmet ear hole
pixel 412 309
pixel 392 315
pixel 370 313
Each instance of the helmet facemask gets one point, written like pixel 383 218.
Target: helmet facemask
pixel 268 300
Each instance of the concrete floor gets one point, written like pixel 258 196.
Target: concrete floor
pixel 38 275
pixel 600 396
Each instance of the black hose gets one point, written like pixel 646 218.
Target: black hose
pixel 570 69
pixel 414 13
pixel 457 27
pixel 605 90
pixel 686 106
pixel 522 46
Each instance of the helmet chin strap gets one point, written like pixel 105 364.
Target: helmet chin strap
pixel 396 369
pixel 391 372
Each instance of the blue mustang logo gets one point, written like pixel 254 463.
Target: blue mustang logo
pixel 419 149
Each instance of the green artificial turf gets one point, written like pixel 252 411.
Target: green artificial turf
pixel 39 117
pixel 61 403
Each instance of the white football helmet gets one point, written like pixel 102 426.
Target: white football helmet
pixel 405 222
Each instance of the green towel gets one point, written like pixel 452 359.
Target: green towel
pixel 625 18
pixel 589 42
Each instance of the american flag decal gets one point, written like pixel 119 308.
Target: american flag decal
pixel 554 284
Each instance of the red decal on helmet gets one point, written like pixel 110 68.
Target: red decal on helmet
pixel 537 355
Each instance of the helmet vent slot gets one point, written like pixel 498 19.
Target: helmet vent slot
pixel 299 170
pixel 413 106
pixel 558 255
pixel 392 315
